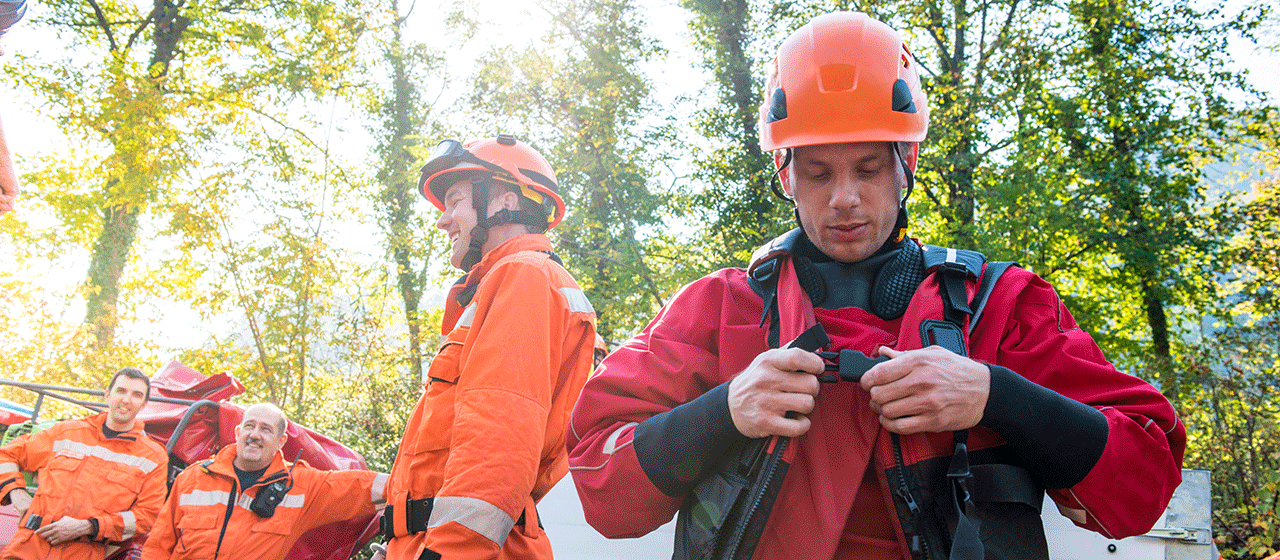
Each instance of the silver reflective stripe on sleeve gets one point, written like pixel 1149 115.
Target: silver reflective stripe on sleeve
pixel 611 444
pixel 8 467
pixel 130 524
pixel 473 513
pixel 578 302
pixel 378 490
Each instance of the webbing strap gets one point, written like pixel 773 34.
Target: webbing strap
pixel 231 504
pixel 989 278
pixel 477 515
pixel 965 542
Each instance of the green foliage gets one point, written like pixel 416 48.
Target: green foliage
pixel 404 134
pixel 1233 426
pixel 730 191
pixel 580 99
pixel 205 164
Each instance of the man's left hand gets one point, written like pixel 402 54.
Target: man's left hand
pixel 927 390
pixel 64 530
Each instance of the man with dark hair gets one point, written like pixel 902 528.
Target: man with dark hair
pixel 957 391
pixel 133 373
pixel 102 479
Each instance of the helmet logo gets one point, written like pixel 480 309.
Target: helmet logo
pixel 837 77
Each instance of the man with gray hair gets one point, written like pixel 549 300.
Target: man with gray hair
pixel 247 502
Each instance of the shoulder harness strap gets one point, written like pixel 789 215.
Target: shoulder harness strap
pixel 955 268
pixel 763 278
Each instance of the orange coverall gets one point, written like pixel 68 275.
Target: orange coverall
pixel 120 482
pixel 487 439
pixel 195 517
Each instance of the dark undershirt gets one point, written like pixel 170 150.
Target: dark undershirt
pixel 849 284
pixel 248 478
pixel 110 433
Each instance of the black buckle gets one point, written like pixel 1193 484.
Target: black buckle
pixel 417 515
pixel 386 524
pixel 847 365
pixel 954 268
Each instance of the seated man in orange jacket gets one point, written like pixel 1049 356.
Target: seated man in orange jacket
pixel 101 479
pixel 248 503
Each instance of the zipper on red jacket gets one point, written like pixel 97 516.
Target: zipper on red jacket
pixel 918 543
pixel 772 463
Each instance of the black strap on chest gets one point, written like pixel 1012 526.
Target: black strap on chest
pixel 953 267
pixel 954 270
pixel 226 519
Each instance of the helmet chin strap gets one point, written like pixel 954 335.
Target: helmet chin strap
pixel 903 224
pixel 480 233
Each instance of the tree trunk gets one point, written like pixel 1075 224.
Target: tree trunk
pixel 120 220
pixel 1158 320
pixel 110 253
pixel 953 108
pixel 727 23
pixel 398 201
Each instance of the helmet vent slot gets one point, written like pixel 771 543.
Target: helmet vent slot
pixel 902 101
pixel 777 106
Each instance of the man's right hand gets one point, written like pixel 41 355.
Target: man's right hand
pixel 9 185
pixel 21 500
pixel 778 381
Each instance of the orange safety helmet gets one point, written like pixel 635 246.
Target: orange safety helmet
pixel 843 77
pixel 505 158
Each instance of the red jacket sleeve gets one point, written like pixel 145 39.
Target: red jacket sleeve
pixel 673 361
pixel 1128 487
